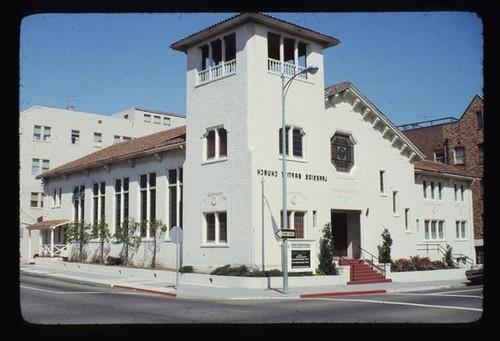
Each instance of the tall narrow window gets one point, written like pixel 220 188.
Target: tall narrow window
pixel 459 155
pixel 424 189
pixel 99 202
pixel 479 119
pixel 455 189
pixel 440 190
pixel 37 133
pixel 97 139
pixel 174 197
pixel 121 201
pixel 382 181
pixel 433 189
pixel 480 153
pixel 79 203
pixel 298 224
pixel 147 184
pixel 75 136
pixel 407 219
pixel 460 229
pixel 297 142
pixel 394 202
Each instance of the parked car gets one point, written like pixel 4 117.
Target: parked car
pixel 475 274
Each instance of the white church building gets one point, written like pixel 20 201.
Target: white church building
pixel 219 177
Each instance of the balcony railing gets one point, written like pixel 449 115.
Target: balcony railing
pixel 57 250
pixel 217 72
pixel 278 67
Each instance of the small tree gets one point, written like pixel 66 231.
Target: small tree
pixel 326 264
pixel 385 251
pixel 78 232
pixel 126 234
pixel 156 228
pixel 100 230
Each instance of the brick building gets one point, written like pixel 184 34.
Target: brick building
pixel 458 142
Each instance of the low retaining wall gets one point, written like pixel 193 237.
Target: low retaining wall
pixel 204 279
pixel 430 275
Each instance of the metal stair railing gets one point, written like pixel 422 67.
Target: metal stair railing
pixel 457 257
pixel 371 262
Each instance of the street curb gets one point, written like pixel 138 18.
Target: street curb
pixel 169 294
pixel 344 293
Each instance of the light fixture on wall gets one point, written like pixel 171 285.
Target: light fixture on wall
pixel 367 212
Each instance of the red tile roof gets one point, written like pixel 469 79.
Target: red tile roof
pixel 122 150
pixel 337 87
pixel 181 44
pixel 439 167
pixel 46 224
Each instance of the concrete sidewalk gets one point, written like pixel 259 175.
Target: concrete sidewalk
pixel 204 291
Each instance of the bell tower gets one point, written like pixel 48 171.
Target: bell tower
pixel 235 71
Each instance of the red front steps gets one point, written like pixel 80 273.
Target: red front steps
pixel 362 273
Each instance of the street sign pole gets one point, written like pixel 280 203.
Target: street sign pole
pixel 176 237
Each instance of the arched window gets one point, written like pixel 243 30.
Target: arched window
pixel 342 152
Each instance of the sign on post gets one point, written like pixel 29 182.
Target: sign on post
pixel 175 235
pixel 285 233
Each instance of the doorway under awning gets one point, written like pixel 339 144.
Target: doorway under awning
pixel 50 246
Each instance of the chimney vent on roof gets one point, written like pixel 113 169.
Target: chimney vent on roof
pixel 70 108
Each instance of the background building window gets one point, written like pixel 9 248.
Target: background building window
pixel 97 139
pixel 460 155
pixel 75 136
pixel 439 155
pixel 342 152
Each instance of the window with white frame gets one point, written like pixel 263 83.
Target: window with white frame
pixel 434 229
pixel 98 201
pixel 174 197
pixel 121 201
pixel 166 121
pixel 461 229
pixel 75 136
pixel 79 203
pixel 294 141
pixel 215 144
pixel 459 155
pixel 156 119
pixel 216 227
pixel 146 118
pixel 296 221
pixel 97 140
pixel 41 133
pixel 147 189
pixel 56 197
pixel 120 138
pixel 36 200
pixel 39 166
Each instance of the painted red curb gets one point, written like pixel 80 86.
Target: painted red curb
pixel 344 293
pixel 146 290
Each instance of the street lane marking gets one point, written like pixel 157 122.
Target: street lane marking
pixel 403 303
pixel 443 294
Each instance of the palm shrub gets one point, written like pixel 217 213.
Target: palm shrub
pixel 326 264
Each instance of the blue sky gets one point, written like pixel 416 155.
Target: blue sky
pixel 414 66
